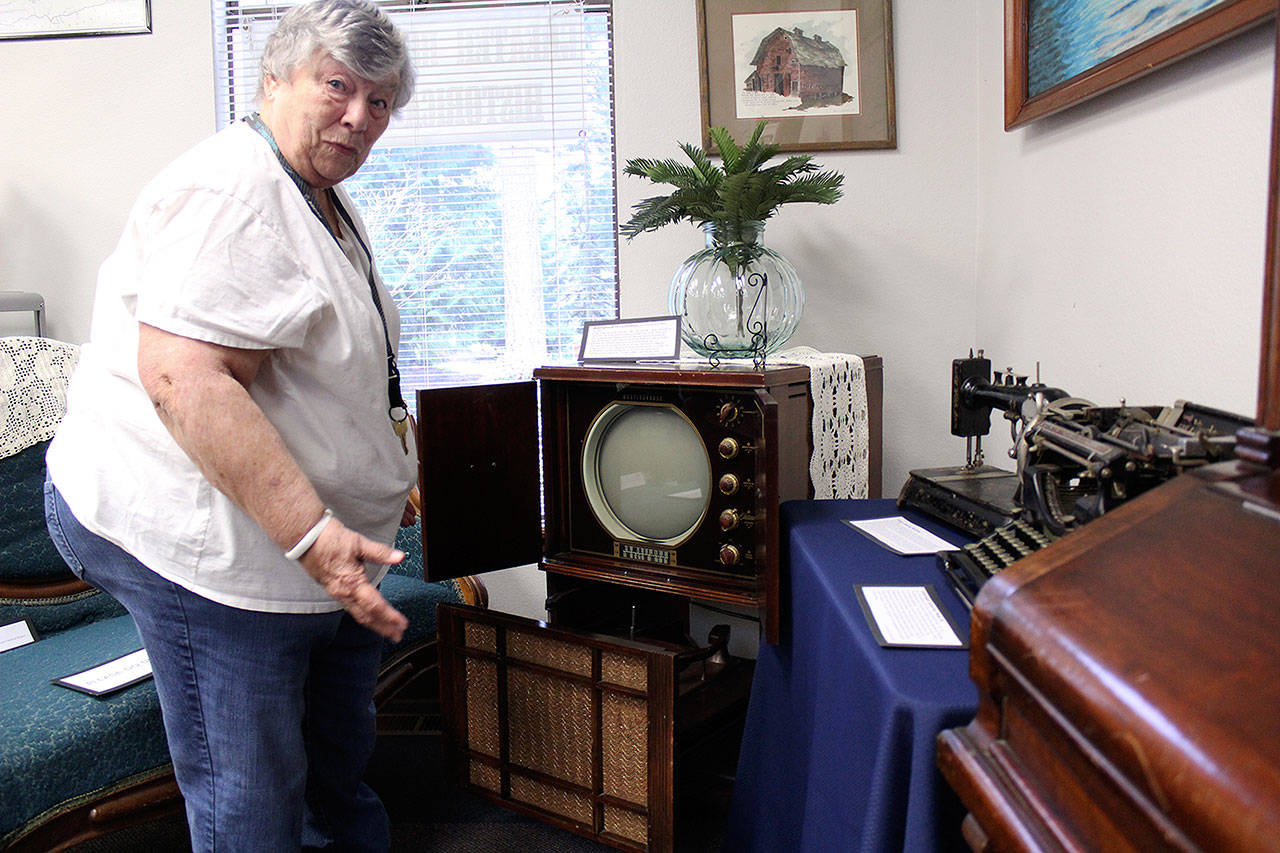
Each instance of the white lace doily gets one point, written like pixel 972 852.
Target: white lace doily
pixel 33 389
pixel 840 464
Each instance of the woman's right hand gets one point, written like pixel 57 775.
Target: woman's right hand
pixel 336 561
pixel 201 392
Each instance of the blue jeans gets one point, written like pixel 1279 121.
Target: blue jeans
pixel 269 716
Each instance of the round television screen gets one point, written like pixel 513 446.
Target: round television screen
pixel 646 472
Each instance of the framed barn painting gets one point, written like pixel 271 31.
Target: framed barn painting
pixel 818 72
pixel 1060 52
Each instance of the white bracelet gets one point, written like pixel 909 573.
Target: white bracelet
pixel 309 538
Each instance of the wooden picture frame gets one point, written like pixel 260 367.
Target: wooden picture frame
pixel 38 19
pixel 751 54
pixel 1269 359
pixel 1037 84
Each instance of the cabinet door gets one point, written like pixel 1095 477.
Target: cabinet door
pixel 478 476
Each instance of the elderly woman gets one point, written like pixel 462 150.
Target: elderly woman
pixel 234 460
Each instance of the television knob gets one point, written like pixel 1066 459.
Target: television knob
pixel 729 484
pixel 729 519
pixel 730 555
pixel 729 413
pixel 729 448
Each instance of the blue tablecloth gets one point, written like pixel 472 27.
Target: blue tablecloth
pixel 838 752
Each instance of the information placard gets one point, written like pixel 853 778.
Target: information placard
pixel 902 536
pixel 908 616
pixel 116 674
pixel 630 340
pixel 17 634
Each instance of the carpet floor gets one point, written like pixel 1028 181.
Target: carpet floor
pixel 429 813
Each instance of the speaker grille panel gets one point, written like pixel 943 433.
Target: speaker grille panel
pixel 627 824
pixel 532 648
pixel 484 776
pixel 624 733
pixel 482 707
pixel 549 798
pixel 625 670
pixel 482 637
pixel 550 725
pixel 564 723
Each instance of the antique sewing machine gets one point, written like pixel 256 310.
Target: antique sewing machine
pixel 1075 461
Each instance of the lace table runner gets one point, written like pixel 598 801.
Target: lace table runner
pixel 840 464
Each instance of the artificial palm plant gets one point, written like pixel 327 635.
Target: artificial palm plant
pixel 742 190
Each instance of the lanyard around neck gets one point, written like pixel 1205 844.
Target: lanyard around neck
pixel 398 411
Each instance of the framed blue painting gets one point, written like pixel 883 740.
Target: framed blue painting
pixel 1061 52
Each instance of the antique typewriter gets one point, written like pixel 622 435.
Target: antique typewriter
pixel 1074 462
pixel 970 567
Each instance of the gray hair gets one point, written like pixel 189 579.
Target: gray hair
pixel 355 32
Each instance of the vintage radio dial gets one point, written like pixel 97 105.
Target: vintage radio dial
pixel 729 448
pixel 730 519
pixel 729 484
pixel 729 413
pixel 730 555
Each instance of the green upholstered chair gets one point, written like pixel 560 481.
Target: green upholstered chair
pixel 74 767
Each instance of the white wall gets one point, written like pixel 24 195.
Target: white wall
pixel 1120 243
pixel 889 269
pixel 86 122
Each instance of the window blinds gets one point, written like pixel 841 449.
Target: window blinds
pixel 490 198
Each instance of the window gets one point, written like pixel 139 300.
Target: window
pixel 490 199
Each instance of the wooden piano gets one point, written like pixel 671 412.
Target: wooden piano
pixel 1129 674
pixel 1129 680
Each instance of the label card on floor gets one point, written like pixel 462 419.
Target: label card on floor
pixel 908 617
pixel 105 678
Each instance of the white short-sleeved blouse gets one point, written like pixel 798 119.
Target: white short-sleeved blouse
pixel 221 247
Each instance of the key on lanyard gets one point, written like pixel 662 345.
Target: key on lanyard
pixel 401 426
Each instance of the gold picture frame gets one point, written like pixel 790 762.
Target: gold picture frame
pixel 39 19
pixel 818 72
pixel 1040 81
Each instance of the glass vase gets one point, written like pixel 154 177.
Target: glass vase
pixel 736 298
